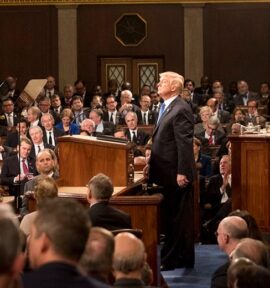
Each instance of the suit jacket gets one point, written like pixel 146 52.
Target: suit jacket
pixel 152 117
pixel 238 99
pixel 3 119
pixel 73 128
pixel 56 133
pixel 11 168
pixel 219 278
pixel 103 215
pixel 58 274
pixel 106 117
pixel 32 154
pixel 142 137
pixel 224 116
pixel 172 148
pixel 218 136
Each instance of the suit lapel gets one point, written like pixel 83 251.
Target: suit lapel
pixel 165 113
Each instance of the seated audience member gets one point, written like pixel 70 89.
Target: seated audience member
pixel 155 101
pixel 133 134
pixel 186 95
pixel 254 250
pixel 205 113
pixel 80 89
pixel 111 114
pixel 223 115
pixel 112 88
pixel 68 93
pixel 8 118
pixel 194 97
pixel 101 127
pixel 36 135
pixel 252 115
pixel 50 87
pixel 66 124
pixel 120 133
pixel 45 188
pixel 97 258
pixel 211 135
pixel 47 166
pixel 100 190
pixel 229 233
pixel 204 90
pixel 203 162
pixel 12 259
pixel 33 114
pixel 18 169
pixel 44 105
pixel 145 115
pixel 218 194
pixel 78 110
pixel 87 127
pixel 126 105
pixel 225 102
pixel 264 93
pixel 50 133
pixel 56 104
pixel 243 273
pixel 58 237
pixel 13 138
pixel 128 261
pixel 13 92
pixel 244 94
pixel 238 117
pixel 254 231
pixel 96 102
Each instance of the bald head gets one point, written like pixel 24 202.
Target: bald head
pixel 235 226
pixel 129 253
pixel 252 249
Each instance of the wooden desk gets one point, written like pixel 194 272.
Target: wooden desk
pixel 251 176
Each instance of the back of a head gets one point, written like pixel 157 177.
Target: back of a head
pixel 254 250
pixel 235 226
pixel 98 255
pixel 66 224
pixel 10 244
pixel 6 211
pixel 129 254
pixel 243 273
pixel 46 188
pixel 101 187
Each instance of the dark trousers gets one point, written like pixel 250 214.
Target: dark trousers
pixel 178 215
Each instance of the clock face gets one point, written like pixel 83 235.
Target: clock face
pixel 130 29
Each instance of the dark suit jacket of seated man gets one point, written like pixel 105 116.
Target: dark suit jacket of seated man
pixel 101 214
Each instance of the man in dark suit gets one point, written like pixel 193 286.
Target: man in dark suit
pixel 101 214
pixel 128 261
pixel 195 98
pixel 36 135
pixel 244 94
pixel 145 115
pixel 18 169
pixel 44 105
pixel 80 89
pixel 133 134
pixel 229 233
pixel 56 104
pixel 8 118
pixel 50 86
pixel 223 116
pixel 101 127
pixel 78 109
pixel 111 114
pixel 13 138
pixel 58 237
pixel 50 133
pixel 172 166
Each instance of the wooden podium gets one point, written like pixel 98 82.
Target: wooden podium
pixel 82 157
pixel 251 176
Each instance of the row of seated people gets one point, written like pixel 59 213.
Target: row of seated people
pixel 68 244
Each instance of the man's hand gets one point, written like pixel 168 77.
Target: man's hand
pixel 182 180
pixel 20 177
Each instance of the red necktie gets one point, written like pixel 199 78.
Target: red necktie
pixel 211 139
pixel 25 168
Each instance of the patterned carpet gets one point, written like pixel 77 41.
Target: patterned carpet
pixel 208 259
